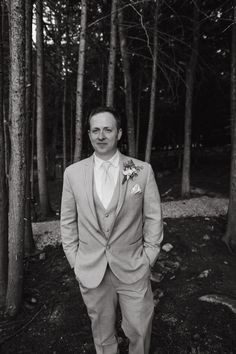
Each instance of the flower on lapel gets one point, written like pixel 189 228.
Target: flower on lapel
pixel 130 170
pixel 136 189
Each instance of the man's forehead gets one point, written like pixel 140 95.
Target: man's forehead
pixel 104 119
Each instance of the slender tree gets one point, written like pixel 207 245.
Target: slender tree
pixel 127 83
pixel 3 187
pixel 80 83
pixel 40 130
pixel 6 103
pixel 55 20
pixel 71 128
pixel 65 88
pixel 190 81
pixel 64 119
pixel 17 173
pixel 138 113
pixel 153 87
pixel 230 236
pixel 29 245
pixel 33 139
pixel 112 56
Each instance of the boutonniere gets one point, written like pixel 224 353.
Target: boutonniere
pixel 130 170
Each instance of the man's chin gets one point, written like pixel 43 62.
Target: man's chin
pixel 102 149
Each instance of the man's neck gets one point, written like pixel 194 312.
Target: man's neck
pixel 106 157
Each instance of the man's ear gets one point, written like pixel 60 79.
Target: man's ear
pixel 119 134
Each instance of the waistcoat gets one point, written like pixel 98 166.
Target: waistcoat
pixel 106 217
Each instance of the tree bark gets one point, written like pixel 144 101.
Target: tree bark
pixel 153 89
pixel 52 148
pixel 80 84
pixel 112 56
pixel 230 236
pixel 127 85
pixel 64 120
pixel 3 186
pixel 6 34
pixel 40 131
pixel 190 78
pixel 29 245
pixel 17 173
pixel 34 113
pixel 65 89
pixel 138 113
pixel 71 128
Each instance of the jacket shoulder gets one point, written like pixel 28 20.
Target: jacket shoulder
pixel 77 166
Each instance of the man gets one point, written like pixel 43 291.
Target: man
pixel 111 227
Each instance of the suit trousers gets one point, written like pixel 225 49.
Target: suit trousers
pixel 137 308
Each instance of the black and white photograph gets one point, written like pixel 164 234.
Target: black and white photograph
pixel 118 177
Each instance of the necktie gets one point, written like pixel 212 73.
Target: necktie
pixel 108 184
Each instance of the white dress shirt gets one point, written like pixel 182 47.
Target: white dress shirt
pixel 98 172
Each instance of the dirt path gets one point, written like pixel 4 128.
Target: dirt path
pixel 48 233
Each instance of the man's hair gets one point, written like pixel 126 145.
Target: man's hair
pixel 104 109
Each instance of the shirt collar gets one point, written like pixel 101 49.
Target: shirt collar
pixel 114 160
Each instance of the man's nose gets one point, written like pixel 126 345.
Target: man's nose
pixel 101 135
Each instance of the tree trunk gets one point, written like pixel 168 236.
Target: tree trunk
pixel 230 236
pixel 17 173
pixel 112 56
pixel 6 74
pixel 40 131
pixel 80 84
pixel 64 120
pixel 138 122
pixel 65 89
pixel 52 149
pixel 52 152
pixel 33 139
pixel 153 90
pixel 3 187
pixel 29 245
pixel 71 128
pixel 127 85
pixel 190 78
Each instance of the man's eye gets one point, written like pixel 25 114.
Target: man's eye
pixel 108 130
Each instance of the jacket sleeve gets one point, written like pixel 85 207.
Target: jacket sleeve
pixel 69 226
pixel 152 219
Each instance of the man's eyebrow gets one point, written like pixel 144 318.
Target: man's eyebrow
pixel 106 127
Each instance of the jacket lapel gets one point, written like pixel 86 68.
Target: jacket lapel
pixel 123 187
pixel 88 183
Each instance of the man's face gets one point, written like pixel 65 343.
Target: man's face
pixel 104 134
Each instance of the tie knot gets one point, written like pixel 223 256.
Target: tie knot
pixel 106 165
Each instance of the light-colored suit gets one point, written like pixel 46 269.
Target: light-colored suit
pixel 134 241
pixel 130 248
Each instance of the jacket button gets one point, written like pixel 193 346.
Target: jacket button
pixel 106 215
pixel 108 247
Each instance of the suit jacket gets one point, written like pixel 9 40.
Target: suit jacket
pixel 134 242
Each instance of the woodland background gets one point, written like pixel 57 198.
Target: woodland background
pixel 169 67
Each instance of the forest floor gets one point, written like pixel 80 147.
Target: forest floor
pixel 53 318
